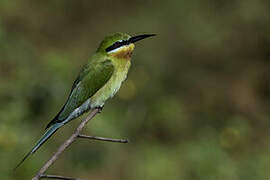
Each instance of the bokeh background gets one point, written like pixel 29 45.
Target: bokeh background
pixel 195 105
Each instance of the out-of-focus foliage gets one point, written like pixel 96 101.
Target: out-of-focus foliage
pixel 195 105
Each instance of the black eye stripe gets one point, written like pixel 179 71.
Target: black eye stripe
pixel 117 45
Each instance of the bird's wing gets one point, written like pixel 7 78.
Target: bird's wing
pixel 92 77
pixel 89 81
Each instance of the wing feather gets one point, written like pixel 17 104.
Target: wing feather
pixel 92 77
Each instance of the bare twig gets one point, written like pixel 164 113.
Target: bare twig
pixel 66 144
pixel 103 139
pixel 57 177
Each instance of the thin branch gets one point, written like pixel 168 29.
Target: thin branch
pixel 66 144
pixel 102 139
pixel 57 177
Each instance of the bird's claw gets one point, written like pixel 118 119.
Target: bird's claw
pixel 100 109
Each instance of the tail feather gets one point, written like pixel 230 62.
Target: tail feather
pixel 41 141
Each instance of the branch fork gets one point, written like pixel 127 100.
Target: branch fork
pixel 77 134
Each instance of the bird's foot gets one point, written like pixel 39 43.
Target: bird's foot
pixel 100 109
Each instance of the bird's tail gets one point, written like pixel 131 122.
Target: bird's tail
pixel 42 140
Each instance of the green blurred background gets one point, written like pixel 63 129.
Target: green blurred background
pixel 195 105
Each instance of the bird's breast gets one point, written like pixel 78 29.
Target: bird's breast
pixel 112 86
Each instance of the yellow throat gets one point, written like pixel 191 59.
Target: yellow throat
pixel 123 52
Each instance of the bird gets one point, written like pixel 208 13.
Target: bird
pixel 99 80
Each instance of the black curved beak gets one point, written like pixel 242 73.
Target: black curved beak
pixel 139 37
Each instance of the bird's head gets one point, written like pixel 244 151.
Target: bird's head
pixel 120 45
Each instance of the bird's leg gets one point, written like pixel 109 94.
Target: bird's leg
pixel 100 108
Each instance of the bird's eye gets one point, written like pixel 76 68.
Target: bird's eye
pixel 117 45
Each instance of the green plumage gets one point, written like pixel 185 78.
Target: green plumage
pixel 92 77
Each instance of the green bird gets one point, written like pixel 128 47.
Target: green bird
pixel 98 81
